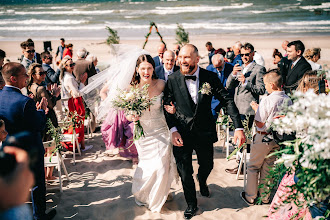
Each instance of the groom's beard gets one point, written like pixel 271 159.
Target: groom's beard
pixel 189 71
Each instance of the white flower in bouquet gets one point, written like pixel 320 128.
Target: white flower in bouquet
pixel 129 96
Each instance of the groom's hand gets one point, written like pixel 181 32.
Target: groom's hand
pixel 176 139
pixel 240 136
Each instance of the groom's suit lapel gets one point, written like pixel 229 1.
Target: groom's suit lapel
pixel 202 79
pixel 185 92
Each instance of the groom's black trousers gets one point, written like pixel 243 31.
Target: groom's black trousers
pixel 183 157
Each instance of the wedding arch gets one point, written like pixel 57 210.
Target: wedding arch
pixel 152 24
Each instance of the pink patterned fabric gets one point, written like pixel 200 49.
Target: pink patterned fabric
pixel 286 211
pixel 117 131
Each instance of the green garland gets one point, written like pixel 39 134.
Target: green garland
pixel 153 24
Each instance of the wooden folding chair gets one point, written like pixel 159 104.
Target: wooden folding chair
pixel 73 138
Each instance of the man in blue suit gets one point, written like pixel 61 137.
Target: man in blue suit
pixel 159 59
pixel 20 114
pixel 169 66
pixel 237 51
pixel 223 70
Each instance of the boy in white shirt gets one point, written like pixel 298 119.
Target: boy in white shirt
pixel 265 112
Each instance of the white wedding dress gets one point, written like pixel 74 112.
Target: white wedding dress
pixel 156 169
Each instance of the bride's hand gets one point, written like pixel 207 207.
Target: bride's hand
pixel 170 108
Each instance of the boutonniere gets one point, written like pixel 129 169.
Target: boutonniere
pixel 206 89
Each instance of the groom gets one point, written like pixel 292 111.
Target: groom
pixel 192 126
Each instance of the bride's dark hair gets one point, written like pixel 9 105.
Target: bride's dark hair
pixel 143 58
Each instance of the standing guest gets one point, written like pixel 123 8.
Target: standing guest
pixel 298 66
pixel 169 67
pixel 260 162
pixel 37 75
pixel 237 52
pixel 192 125
pixel 36 57
pixel 52 77
pixel 258 58
pixel 312 56
pixel 60 49
pixel 159 59
pixel 2 58
pixel 285 47
pixel 176 51
pixel 70 87
pixel 83 66
pixel 92 58
pixel 68 50
pixel 210 51
pixel 20 114
pixel 247 80
pixel 277 56
pixel 223 70
pixel 28 54
pixel 230 55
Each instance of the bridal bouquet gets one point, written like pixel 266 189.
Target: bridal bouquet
pixel 134 102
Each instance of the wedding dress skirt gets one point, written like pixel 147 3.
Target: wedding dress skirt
pixel 156 169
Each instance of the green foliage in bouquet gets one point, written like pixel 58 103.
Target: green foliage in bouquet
pixel 134 102
pixel 182 37
pixel 56 134
pixel 113 37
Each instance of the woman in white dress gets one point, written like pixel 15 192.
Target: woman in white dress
pixel 156 168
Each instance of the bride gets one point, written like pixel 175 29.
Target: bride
pixel 156 169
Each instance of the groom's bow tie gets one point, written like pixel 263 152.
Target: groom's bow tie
pixel 190 77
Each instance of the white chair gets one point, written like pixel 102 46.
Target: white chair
pixel 88 125
pixel 244 159
pixel 55 160
pixel 73 138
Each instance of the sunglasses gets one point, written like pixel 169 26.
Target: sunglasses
pixel 41 73
pixel 30 51
pixel 245 54
pixel 71 65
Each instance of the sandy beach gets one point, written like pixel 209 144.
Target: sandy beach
pixel 100 186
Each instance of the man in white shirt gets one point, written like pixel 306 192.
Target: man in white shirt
pixel 163 71
pixel 28 54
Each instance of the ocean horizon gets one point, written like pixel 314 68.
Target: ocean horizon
pixel 87 19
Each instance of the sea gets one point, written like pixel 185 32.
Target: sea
pixel 88 19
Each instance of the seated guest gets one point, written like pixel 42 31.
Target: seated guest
pixel 71 87
pixel 37 75
pixel 20 114
pixel 223 70
pixel 168 68
pixel 259 162
pixel 159 59
pixel 92 58
pixel 312 56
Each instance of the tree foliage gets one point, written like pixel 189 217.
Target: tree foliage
pixel 113 37
pixel 182 37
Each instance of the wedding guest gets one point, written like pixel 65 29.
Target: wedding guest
pixel 36 76
pixel 28 54
pixel 92 58
pixel 159 59
pixel 71 87
pixel 20 115
pixel 223 70
pixel 237 52
pixel 2 57
pixel 277 56
pixel 68 50
pixel 258 58
pixel 52 77
pixel 298 66
pixel 210 51
pixel 82 66
pixel 168 67
pixel 285 47
pixel 176 51
pixel 279 208
pixel 312 56
pixel 60 49
pixel 247 80
pixel 260 162
pixel 37 57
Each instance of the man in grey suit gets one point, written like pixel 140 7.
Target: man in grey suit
pixel 169 67
pixel 247 80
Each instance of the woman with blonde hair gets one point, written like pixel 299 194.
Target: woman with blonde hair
pixel 312 56
pixel 310 80
pixel 70 90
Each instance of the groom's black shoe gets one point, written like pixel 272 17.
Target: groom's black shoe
pixel 190 211
pixel 203 188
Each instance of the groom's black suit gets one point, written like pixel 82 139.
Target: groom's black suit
pixel 196 125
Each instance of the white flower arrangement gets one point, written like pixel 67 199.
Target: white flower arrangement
pixel 206 89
